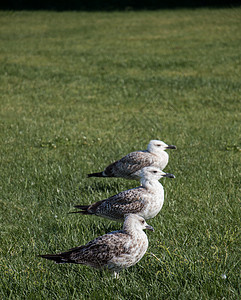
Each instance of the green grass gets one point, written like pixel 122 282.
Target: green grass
pixel 80 90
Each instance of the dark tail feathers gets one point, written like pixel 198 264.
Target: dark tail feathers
pixel 83 211
pixel 57 258
pixel 100 174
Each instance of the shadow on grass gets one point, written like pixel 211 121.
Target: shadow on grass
pixel 107 185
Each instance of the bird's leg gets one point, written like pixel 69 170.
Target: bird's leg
pixel 116 275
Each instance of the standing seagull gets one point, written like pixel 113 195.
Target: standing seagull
pixel 130 166
pixel 115 250
pixel 145 200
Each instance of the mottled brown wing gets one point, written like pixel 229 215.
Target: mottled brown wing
pixel 117 206
pixel 98 252
pixel 129 164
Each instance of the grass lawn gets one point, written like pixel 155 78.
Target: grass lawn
pixel 79 90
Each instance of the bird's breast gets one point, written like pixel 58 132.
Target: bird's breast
pixel 153 206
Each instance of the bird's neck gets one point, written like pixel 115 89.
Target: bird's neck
pixel 160 153
pixel 151 184
pixel 134 231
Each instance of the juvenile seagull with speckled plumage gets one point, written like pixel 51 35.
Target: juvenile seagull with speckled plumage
pixel 115 250
pixel 130 166
pixel 145 200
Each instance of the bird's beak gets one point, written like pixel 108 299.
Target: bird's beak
pixel 149 228
pixel 169 175
pixel 171 147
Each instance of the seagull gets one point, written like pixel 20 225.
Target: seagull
pixel 114 251
pixel 145 200
pixel 129 167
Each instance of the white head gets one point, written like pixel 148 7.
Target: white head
pixel 153 173
pixel 156 146
pixel 136 223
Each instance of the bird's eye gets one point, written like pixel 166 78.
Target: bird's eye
pixel 143 221
pixel 158 145
pixel 154 171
